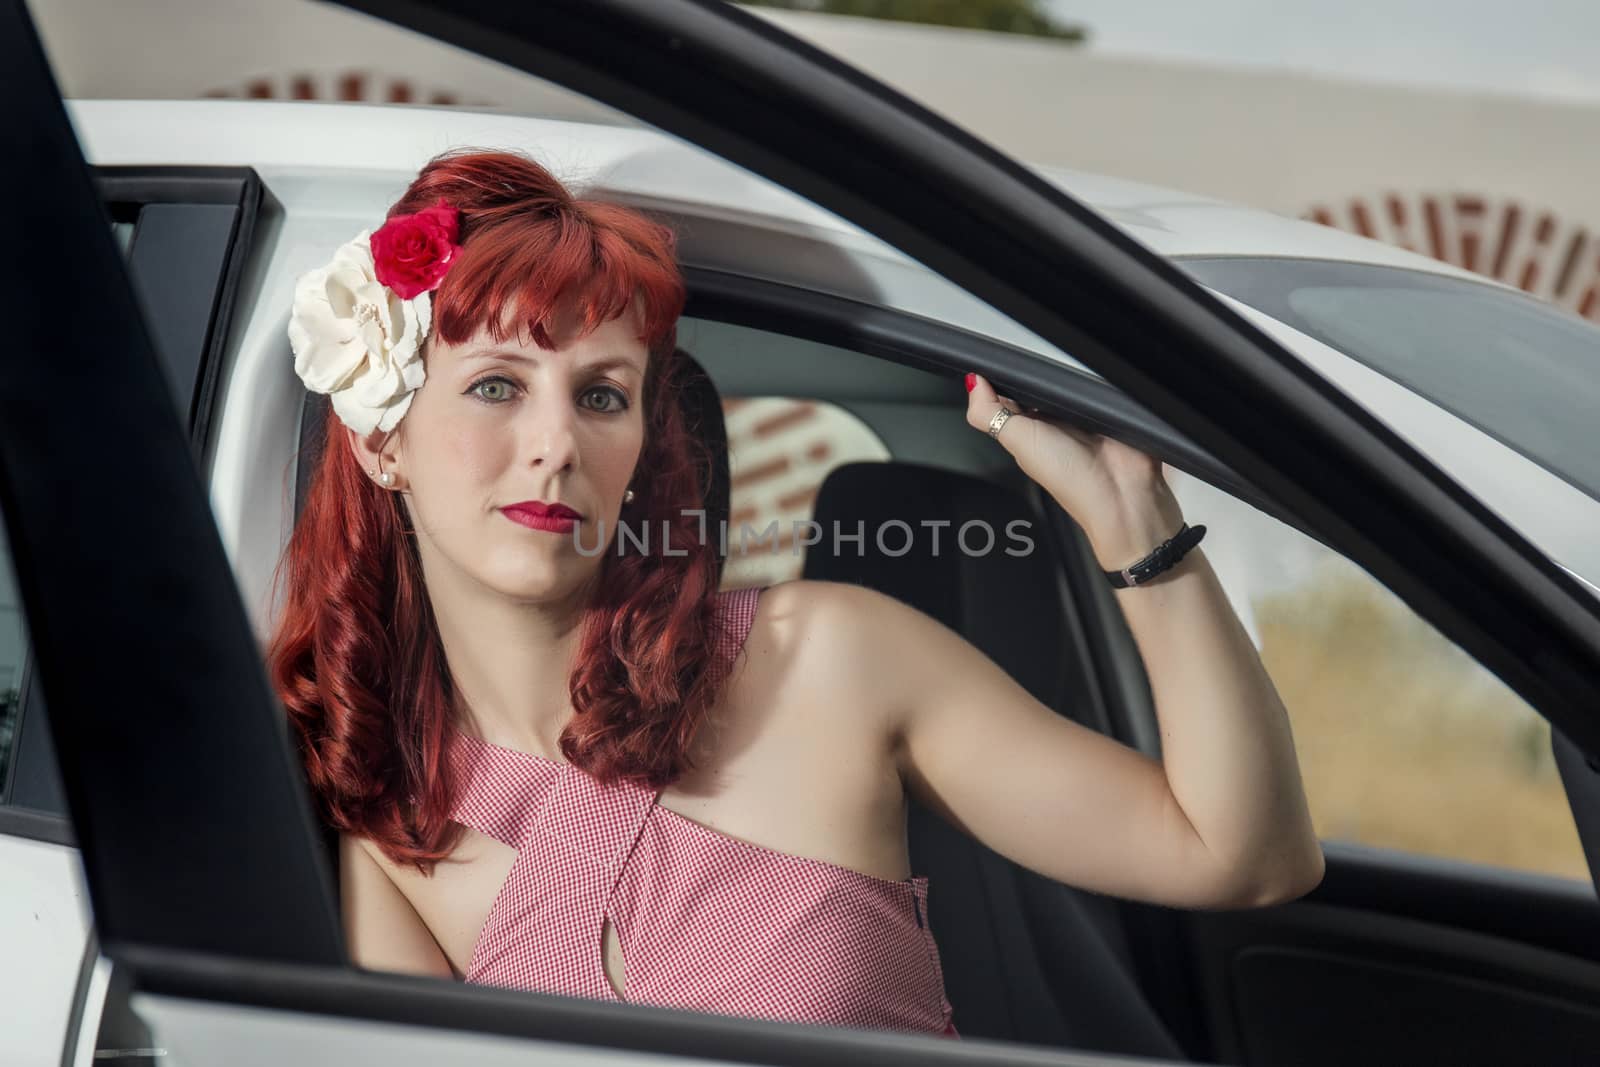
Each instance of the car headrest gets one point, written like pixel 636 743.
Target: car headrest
pixel 702 415
pixel 1003 597
pixel 702 408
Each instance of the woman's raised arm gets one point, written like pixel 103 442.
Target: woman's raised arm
pixel 1061 799
pixel 1220 821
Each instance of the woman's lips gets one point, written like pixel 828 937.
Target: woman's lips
pixel 555 519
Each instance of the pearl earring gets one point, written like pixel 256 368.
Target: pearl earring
pixel 386 480
pixel 627 498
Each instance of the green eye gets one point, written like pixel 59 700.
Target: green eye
pixel 493 390
pixel 621 401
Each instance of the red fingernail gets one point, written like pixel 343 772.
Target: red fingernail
pixel 972 380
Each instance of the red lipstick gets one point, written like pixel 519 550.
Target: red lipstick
pixel 537 515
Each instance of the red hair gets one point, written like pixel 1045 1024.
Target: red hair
pixel 356 657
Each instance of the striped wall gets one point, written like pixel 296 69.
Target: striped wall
pixel 357 86
pixel 780 449
pixel 1511 241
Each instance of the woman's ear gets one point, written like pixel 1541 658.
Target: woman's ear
pixel 377 454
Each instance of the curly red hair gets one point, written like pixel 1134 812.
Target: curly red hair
pixel 356 657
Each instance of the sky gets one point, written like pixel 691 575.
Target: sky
pixel 1543 48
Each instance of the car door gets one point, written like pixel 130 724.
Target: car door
pixel 162 787
pixel 1430 938
pixel 1415 947
pixel 184 234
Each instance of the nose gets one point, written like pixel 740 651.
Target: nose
pixel 553 432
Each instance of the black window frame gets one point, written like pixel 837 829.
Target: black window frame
pixel 193 231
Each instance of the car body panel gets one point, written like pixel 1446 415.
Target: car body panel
pixel 726 203
pixel 1175 224
pixel 44 926
pixel 196 1032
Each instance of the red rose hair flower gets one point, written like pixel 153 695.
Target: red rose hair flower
pixel 412 253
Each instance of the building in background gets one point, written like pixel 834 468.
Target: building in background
pixel 1501 185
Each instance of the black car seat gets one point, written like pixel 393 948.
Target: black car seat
pixel 1025 958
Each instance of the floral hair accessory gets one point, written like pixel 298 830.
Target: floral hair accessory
pixel 358 324
pixel 413 252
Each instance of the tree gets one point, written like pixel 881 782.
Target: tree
pixel 1003 16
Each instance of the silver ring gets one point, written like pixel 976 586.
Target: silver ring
pixel 999 420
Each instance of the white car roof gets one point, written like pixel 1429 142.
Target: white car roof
pixel 337 167
pixel 1185 225
pixel 377 149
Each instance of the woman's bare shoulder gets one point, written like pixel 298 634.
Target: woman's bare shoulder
pixel 800 617
pixel 815 610
pixel 818 637
pixel 364 851
pixel 804 602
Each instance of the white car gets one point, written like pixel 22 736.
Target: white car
pixel 1321 397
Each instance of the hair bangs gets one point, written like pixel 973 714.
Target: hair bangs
pixel 526 273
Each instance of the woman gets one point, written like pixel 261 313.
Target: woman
pixel 589 772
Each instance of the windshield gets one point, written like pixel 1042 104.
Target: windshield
pixel 1522 371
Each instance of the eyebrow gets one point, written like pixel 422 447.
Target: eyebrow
pixel 602 363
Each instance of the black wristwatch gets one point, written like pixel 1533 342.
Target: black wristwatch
pixel 1164 557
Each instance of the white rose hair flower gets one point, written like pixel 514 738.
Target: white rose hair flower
pixel 358 324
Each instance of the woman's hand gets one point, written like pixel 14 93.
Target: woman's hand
pixel 1117 493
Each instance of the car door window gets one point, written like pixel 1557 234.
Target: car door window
pixel 1285 624
pixel 184 236
pixel 1405 741
pixel 1517 368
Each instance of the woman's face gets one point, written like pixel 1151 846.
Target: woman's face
pixel 501 424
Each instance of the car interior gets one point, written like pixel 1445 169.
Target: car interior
pixel 1025 958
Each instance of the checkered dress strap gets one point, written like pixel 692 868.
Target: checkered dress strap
pixel 498 790
pixel 736 611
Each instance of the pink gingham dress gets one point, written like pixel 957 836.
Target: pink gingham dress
pixel 706 921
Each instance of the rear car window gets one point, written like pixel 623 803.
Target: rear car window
pixel 1520 370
